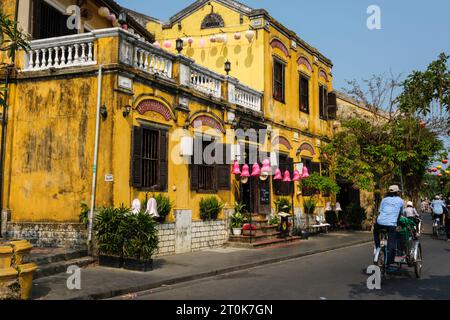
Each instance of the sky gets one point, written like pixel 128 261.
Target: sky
pixel 412 34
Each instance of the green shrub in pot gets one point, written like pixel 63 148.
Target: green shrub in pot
pixel 210 208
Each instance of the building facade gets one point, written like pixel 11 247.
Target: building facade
pixel 158 113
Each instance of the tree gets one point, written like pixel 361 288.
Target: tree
pixel 427 94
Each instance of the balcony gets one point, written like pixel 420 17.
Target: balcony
pixel 117 46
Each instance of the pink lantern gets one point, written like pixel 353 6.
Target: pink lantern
pixel 439 175
pixel 157 44
pixel 256 170
pixel 287 176
pixel 190 41
pixel 297 176
pixel 202 42
pixel 167 44
pixel 111 17
pixel 305 173
pixel 266 166
pixel 445 161
pixel 236 170
pixel 245 171
pixel 434 169
pixel 278 175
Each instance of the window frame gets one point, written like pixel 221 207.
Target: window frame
pixel 323 101
pixel 301 95
pixel 282 82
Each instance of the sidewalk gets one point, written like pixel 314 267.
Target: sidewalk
pixel 101 283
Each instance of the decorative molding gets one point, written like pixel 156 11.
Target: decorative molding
pixel 283 141
pixel 306 147
pixel 209 121
pixel 212 20
pixel 276 43
pixel 323 74
pixel 304 61
pixel 155 106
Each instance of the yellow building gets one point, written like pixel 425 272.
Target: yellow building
pixel 152 107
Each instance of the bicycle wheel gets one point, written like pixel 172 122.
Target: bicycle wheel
pixel 382 263
pixel 418 263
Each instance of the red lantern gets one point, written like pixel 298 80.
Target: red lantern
pixel 439 175
pixel 297 176
pixel 236 169
pixel 434 169
pixel 445 161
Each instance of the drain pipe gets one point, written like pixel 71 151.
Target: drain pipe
pixel 94 165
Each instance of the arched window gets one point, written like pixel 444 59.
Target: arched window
pixel 212 20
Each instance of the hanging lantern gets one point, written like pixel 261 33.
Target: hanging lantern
pixel 237 36
pixel 256 170
pixel 245 174
pixel 157 44
pixel 266 170
pixel 103 12
pixel 111 17
pixel 278 175
pixel 305 173
pixel 328 207
pixel 202 42
pixel 338 206
pixel 297 176
pixel 219 38
pixel 445 161
pixel 190 41
pixel 250 34
pixel 434 169
pixel 439 175
pixel 236 170
pixel 167 44
pixel 213 38
pixel 224 38
pixel 447 171
pixel 439 167
pixel 287 176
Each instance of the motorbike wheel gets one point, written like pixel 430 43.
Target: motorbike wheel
pixel 418 263
pixel 382 264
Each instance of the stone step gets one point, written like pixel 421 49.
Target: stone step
pixel 53 268
pixel 259 217
pixel 255 237
pixel 262 229
pixel 263 243
pixel 44 256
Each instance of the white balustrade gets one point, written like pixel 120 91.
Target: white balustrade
pixel 206 81
pixel 60 52
pixel 153 60
pixel 248 98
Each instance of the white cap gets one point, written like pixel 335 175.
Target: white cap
pixel 394 188
pixel 409 204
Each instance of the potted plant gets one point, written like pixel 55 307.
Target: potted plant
pixel 283 204
pixel 140 241
pixel 274 220
pixel 110 239
pixel 210 208
pixel 238 219
pixel 164 207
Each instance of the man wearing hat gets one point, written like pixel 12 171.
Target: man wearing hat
pixel 391 209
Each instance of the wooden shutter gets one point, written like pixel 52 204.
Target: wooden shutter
pixel 332 106
pixel 163 160
pixel 223 167
pixel 136 157
pixel 195 160
pixel 315 167
pixel 36 18
pixel 264 194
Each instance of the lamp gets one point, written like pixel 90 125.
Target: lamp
pixel 338 206
pixel 287 176
pixel 278 175
pixel 245 174
pixel 236 170
pixel 297 176
pixel 123 20
pixel 227 66
pixel 179 45
pixel 103 112
pixel 256 170
pixel 305 173
pixel 126 111
pixel 266 170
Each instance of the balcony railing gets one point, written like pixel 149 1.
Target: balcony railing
pixel 248 98
pixel 87 49
pixel 206 81
pixel 61 52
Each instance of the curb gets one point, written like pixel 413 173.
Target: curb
pixel 139 288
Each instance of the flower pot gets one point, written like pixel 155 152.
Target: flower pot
pixel 9 284
pixel 138 265
pixel 26 272
pixel 110 261
pixel 237 231
pixel 6 255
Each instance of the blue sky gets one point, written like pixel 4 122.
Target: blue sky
pixel 413 32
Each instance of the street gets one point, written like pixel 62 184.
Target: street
pixel 338 274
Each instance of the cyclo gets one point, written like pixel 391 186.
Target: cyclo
pixel 408 248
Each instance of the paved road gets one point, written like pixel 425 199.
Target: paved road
pixel 339 274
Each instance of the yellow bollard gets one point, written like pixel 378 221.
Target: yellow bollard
pixel 26 272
